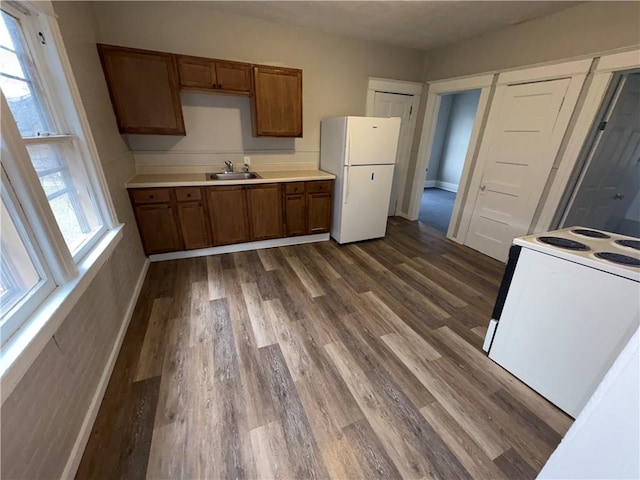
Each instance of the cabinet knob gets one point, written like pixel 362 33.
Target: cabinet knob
pixel 151 196
pixel 188 195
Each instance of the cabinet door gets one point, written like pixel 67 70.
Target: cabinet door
pixel 228 213
pixel 318 212
pixel 234 77
pixel 196 72
pixel 277 102
pixel 158 228
pixel 265 211
pixel 296 215
pixel 194 225
pixel 143 86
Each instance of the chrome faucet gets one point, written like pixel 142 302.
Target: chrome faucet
pixel 245 168
pixel 228 167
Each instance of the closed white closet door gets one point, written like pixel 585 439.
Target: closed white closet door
pixel 523 137
pixel 397 105
pixel 364 202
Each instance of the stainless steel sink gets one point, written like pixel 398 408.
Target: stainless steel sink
pixel 232 176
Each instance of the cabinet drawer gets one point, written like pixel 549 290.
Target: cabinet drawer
pixel 187 194
pixel 150 195
pixel 319 187
pixel 294 187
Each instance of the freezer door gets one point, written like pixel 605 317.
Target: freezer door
pixel 372 140
pixel 365 202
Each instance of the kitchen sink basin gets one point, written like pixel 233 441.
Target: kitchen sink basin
pixel 232 176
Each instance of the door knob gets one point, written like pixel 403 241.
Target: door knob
pixel 483 188
pixel 618 196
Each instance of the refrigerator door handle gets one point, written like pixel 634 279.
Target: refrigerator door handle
pixel 346 186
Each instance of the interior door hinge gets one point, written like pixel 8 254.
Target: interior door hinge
pixel 602 125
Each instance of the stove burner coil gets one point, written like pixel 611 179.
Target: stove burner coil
pixel 590 233
pixel 635 244
pixel 619 259
pixel 565 243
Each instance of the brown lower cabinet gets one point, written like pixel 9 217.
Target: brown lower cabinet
pixel 194 225
pixel 186 218
pixel 246 213
pixel 264 211
pixel 158 228
pixel 318 213
pixel 228 211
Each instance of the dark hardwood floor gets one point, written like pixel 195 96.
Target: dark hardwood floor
pixel 320 361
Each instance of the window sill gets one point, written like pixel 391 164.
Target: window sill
pixel 22 350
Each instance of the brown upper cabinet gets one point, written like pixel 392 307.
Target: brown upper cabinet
pixel 143 86
pixel 145 90
pixel 206 74
pixel 277 102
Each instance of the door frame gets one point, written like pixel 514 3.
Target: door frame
pixel 572 152
pixel 576 71
pixel 477 152
pixel 484 83
pixel 400 87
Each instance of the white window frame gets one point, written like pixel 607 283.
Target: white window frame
pixel 20 312
pixel 61 106
pixel 71 275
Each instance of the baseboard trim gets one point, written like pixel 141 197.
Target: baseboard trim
pixel 240 247
pixel 449 187
pixel 429 183
pixel 77 451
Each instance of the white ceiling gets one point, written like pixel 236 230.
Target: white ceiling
pixel 413 24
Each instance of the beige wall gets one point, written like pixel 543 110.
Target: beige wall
pixel 586 29
pixel 41 418
pixel 335 72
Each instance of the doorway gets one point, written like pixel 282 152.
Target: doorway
pixel 452 135
pixel 607 193
pixel 396 105
pixel 396 98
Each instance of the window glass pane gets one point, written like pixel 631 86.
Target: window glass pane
pixel 18 83
pixel 18 274
pixel 66 187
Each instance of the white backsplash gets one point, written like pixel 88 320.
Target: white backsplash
pixel 218 130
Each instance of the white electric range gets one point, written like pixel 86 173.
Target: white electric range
pixel 568 303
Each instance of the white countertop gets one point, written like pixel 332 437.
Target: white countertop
pixel 199 179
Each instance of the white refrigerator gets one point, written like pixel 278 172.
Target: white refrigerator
pixel 361 153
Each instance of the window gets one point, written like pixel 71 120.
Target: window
pixel 53 151
pixel 24 281
pixel 57 223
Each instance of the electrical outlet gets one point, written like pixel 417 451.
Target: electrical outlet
pixel 247 159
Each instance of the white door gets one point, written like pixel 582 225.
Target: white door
pixel 364 202
pixel 372 140
pixel 611 178
pixel 523 139
pixel 397 105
